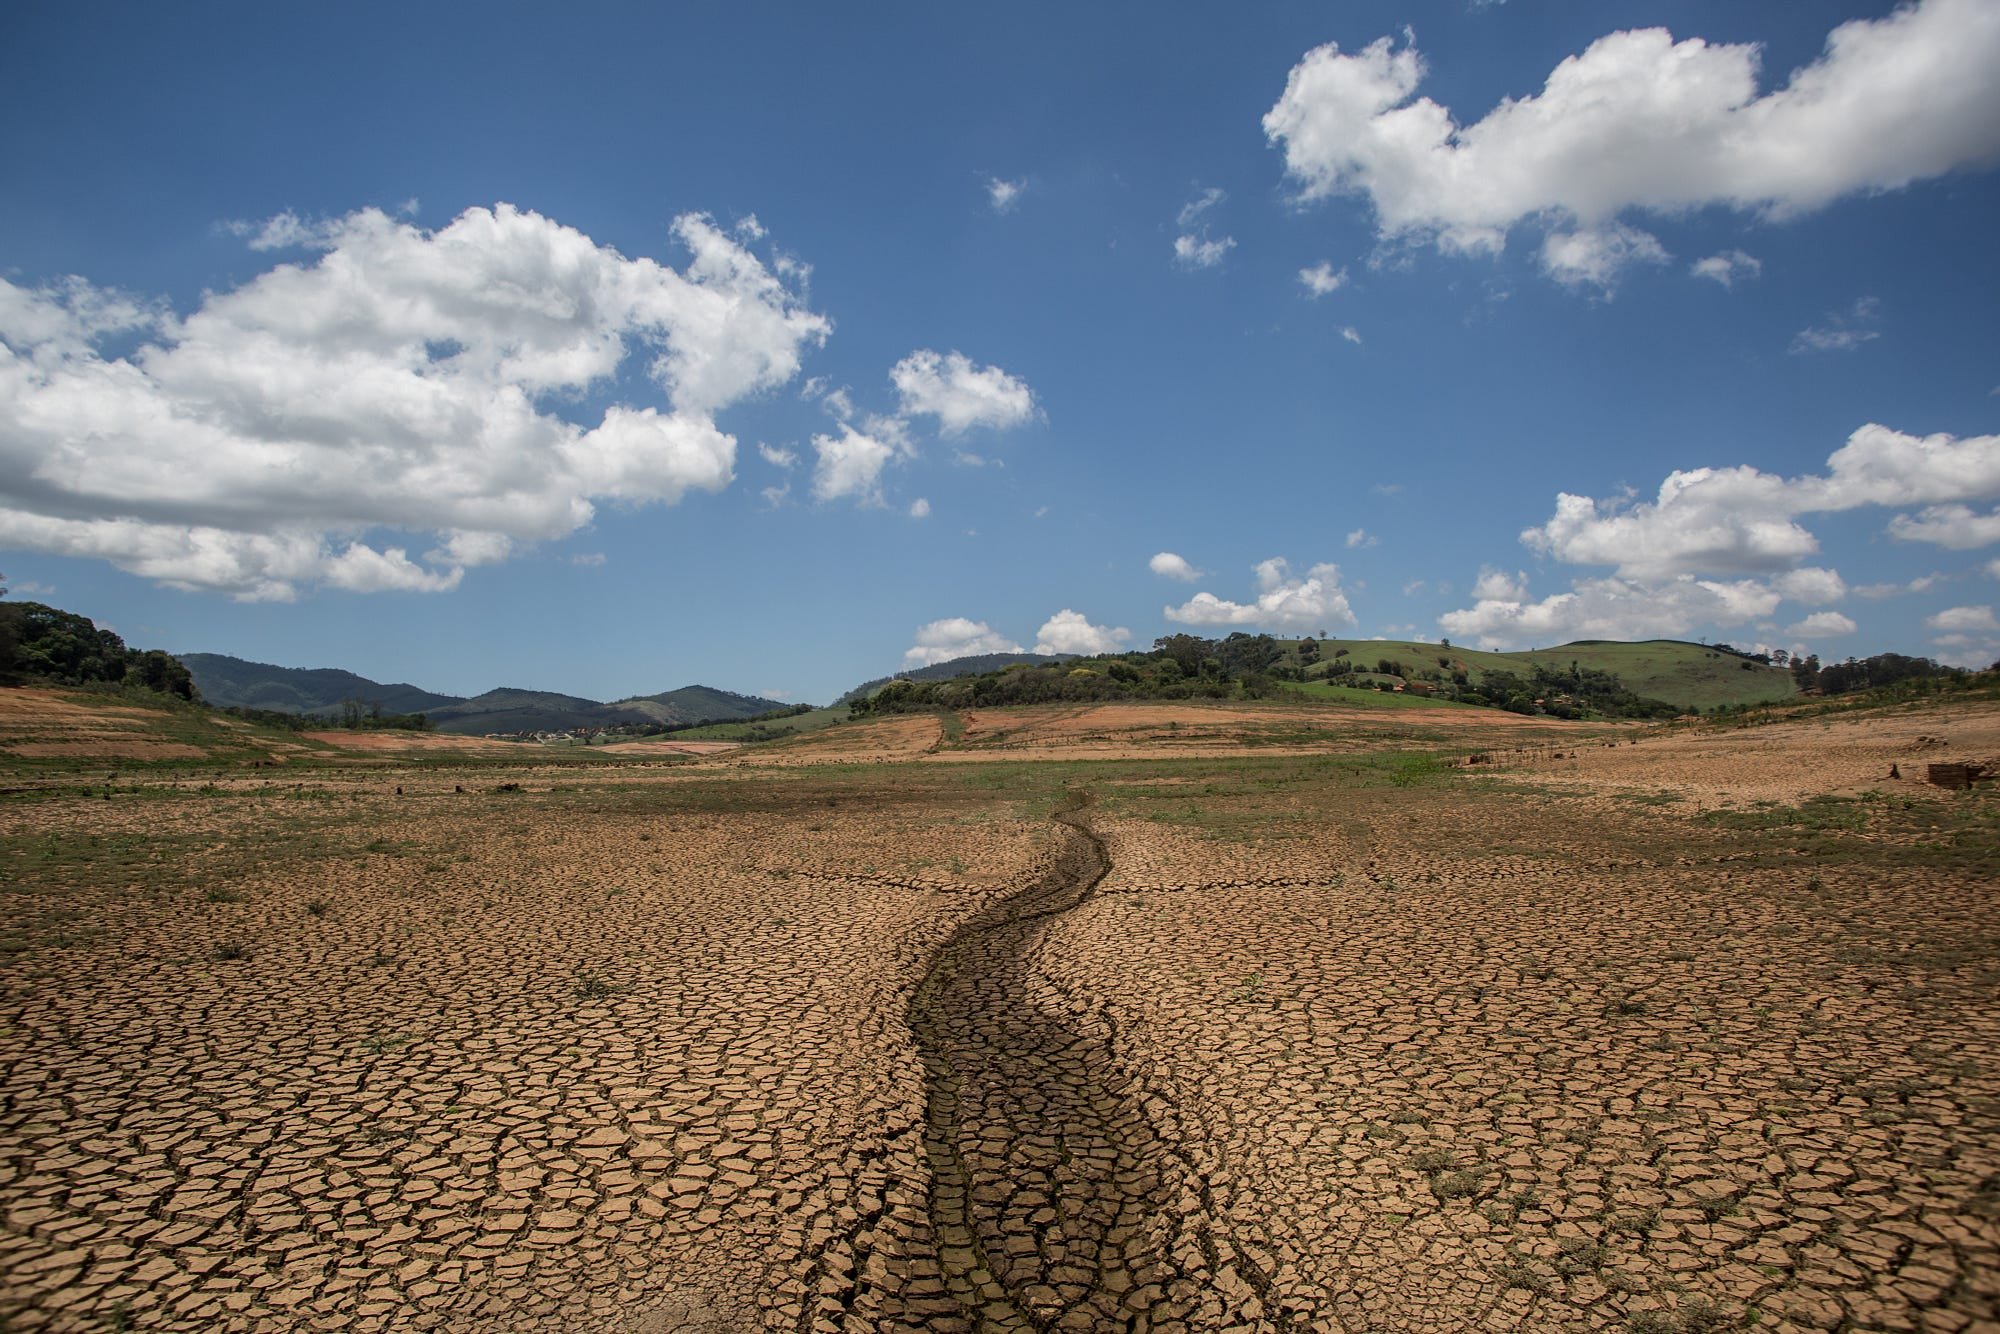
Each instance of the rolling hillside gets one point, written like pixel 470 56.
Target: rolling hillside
pixel 1693 676
pixel 235 683
pixel 977 665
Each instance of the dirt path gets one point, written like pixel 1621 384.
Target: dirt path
pixel 1051 1198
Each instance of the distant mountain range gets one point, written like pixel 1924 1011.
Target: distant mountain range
pixel 325 691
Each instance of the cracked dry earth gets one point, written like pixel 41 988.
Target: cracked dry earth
pixel 1304 1042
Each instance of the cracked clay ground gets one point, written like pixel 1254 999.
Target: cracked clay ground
pixel 1276 1031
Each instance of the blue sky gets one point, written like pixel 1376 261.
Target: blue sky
pixel 612 350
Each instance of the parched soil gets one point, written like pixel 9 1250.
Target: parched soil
pixel 407 743
pixel 587 1060
pixel 874 741
pixel 671 747
pixel 1140 729
pixel 1784 762
pixel 1334 1033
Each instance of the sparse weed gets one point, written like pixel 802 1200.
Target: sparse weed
pixel 1579 1255
pixel 1455 1185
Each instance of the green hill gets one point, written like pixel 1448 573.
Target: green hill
pixel 510 710
pixel 236 683
pixel 696 704
pixel 1692 676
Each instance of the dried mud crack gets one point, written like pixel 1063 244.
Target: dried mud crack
pixel 1051 1196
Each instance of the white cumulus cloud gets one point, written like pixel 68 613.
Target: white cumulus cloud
pixel 850 465
pixel 1822 625
pixel 1321 278
pixel 390 380
pixel 1958 527
pixel 1640 122
pixel 1741 520
pixel 1499 586
pixel 1595 256
pixel 1504 617
pixel 961 395
pixel 1003 195
pixel 1727 268
pixel 1167 565
pixel 1812 584
pixel 1071 632
pixel 1963 619
pixel 1202 252
pixel 955 637
pixel 920 508
pixel 1284 601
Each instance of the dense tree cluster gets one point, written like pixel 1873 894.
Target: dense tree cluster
pixel 1178 667
pixel 1884 669
pixel 1578 692
pixel 40 642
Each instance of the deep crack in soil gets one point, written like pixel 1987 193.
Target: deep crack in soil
pixel 1050 1197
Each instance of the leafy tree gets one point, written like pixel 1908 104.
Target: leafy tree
pixel 10 634
pixel 165 673
pixel 55 645
pixel 1187 651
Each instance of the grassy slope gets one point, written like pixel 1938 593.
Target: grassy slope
pixel 1367 699
pixel 776 728
pixel 1689 675
pixel 695 703
pixel 144 717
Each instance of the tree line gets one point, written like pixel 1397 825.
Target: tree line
pixel 1246 666
pixel 1884 669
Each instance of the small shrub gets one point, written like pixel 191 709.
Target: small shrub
pixel 221 895
pixel 1579 1255
pixel 1433 1160
pixel 1638 1223
pixel 231 951
pixel 1455 1185
pixel 318 907
pixel 1721 1206
pixel 1698 1315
